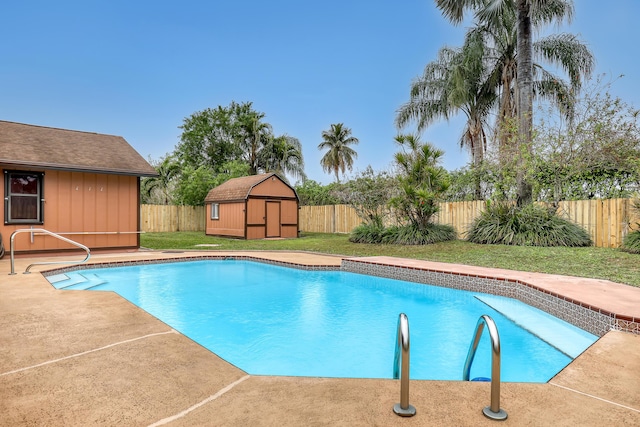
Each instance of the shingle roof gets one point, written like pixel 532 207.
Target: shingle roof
pixel 236 188
pixel 52 148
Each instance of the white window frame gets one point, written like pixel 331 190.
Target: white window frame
pixel 215 210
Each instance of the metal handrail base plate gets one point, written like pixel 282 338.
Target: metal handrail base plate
pixel 499 416
pixel 409 412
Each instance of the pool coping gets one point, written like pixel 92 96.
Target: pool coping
pixel 118 365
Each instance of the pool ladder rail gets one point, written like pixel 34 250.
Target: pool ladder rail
pixel 493 411
pixel 35 231
pixel 401 366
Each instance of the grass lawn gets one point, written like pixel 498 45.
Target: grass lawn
pixel 599 263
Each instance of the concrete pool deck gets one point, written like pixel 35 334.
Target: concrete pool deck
pixel 92 358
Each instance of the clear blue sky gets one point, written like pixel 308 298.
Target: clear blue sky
pixel 138 68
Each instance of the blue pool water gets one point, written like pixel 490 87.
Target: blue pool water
pixel 271 320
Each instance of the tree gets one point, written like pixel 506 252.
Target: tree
pixel 159 190
pixel 283 155
pixel 422 181
pixel 595 155
pixel 514 64
pixel 339 156
pixel 195 183
pixel 211 137
pixel 455 81
pixel 369 194
pixel 312 193
pixel 254 135
pixel 458 80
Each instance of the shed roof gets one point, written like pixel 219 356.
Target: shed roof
pixel 237 188
pixel 52 148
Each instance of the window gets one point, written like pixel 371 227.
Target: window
pixel 215 210
pixel 23 197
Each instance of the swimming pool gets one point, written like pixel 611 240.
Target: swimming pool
pixel 272 320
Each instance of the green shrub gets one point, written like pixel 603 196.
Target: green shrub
pixel 412 235
pixel 631 242
pixel 367 233
pixel 402 235
pixel 530 225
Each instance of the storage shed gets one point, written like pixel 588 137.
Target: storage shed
pixel 83 186
pixel 253 207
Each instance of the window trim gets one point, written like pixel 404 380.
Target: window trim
pixel 215 210
pixel 39 220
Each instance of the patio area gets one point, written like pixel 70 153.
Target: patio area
pixel 92 358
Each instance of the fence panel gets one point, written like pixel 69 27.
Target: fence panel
pixel 459 214
pixel 328 219
pixel 606 221
pixel 171 218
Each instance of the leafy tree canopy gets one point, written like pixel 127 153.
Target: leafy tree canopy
pixel 213 137
pixel 195 183
pixel 217 144
pixel 312 193
pixel 369 194
pixel 596 155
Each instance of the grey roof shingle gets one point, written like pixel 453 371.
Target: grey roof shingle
pixel 52 148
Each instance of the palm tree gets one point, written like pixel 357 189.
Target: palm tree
pixel 421 179
pixel 456 81
pixel 256 135
pixel 283 155
pixel 164 184
pixel 507 26
pixel 339 156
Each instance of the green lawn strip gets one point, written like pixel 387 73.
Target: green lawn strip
pixel 599 263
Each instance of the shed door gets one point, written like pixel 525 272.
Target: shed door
pixel 273 219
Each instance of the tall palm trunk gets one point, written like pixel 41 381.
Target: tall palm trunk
pixel 478 146
pixel 525 100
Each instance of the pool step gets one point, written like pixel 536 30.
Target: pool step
pixel 75 281
pixel 567 338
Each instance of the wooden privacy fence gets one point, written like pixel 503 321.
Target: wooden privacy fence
pixel 328 219
pixel 170 218
pixel 606 221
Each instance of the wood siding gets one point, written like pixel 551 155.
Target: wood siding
pixel 256 212
pixel 270 209
pixel 97 210
pixel 272 188
pixel 230 220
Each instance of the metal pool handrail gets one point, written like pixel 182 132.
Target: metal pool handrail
pixel 494 412
pixel 401 367
pixel 57 236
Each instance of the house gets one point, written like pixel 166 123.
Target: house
pixel 252 207
pixel 84 186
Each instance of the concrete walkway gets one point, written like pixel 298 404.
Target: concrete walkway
pixel 92 358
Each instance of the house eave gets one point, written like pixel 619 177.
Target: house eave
pixel 74 168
